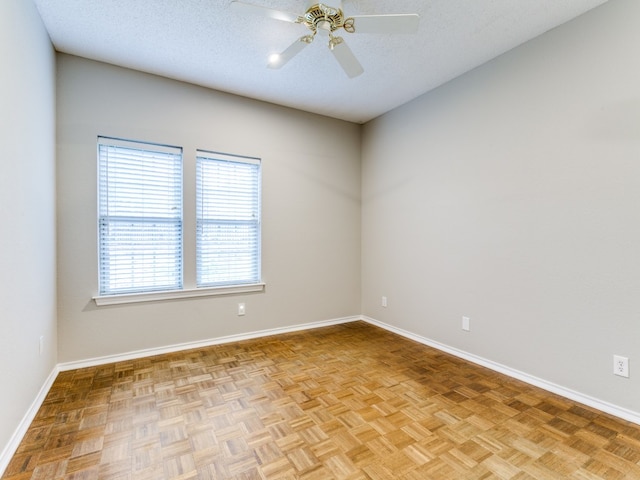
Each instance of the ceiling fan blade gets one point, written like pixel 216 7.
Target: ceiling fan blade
pixel 345 57
pixel 396 23
pixel 264 12
pixel 278 61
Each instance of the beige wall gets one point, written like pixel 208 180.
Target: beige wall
pixel 27 200
pixel 311 208
pixel 512 195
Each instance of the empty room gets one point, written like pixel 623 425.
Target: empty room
pixel 404 247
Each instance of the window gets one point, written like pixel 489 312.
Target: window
pixel 140 223
pixel 227 219
pixel 140 217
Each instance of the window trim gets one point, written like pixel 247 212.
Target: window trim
pixel 103 300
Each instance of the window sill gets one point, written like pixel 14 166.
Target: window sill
pixel 178 294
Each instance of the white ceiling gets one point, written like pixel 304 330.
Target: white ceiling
pixel 206 43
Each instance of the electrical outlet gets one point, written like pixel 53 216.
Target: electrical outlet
pixel 41 345
pixel 466 324
pixel 384 302
pixel 621 366
pixel 241 309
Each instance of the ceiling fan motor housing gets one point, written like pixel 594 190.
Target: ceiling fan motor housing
pixel 320 16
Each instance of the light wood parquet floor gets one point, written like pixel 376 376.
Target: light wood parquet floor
pixel 344 402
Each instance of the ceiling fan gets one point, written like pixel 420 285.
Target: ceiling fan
pixel 324 20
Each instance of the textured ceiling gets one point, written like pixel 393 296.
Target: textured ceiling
pixel 207 43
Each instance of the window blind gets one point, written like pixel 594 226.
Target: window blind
pixel 140 217
pixel 227 219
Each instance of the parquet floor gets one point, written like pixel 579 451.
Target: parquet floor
pixel 344 402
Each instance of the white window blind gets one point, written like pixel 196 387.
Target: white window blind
pixel 227 219
pixel 140 217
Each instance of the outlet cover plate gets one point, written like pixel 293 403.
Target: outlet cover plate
pixel 621 366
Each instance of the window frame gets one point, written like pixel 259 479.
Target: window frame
pixel 187 251
pixel 211 212
pixel 140 217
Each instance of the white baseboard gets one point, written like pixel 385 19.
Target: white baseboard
pixel 592 402
pixel 14 442
pixel 92 362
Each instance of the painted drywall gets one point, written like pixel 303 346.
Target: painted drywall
pixel 511 195
pixel 310 207
pixel 27 210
